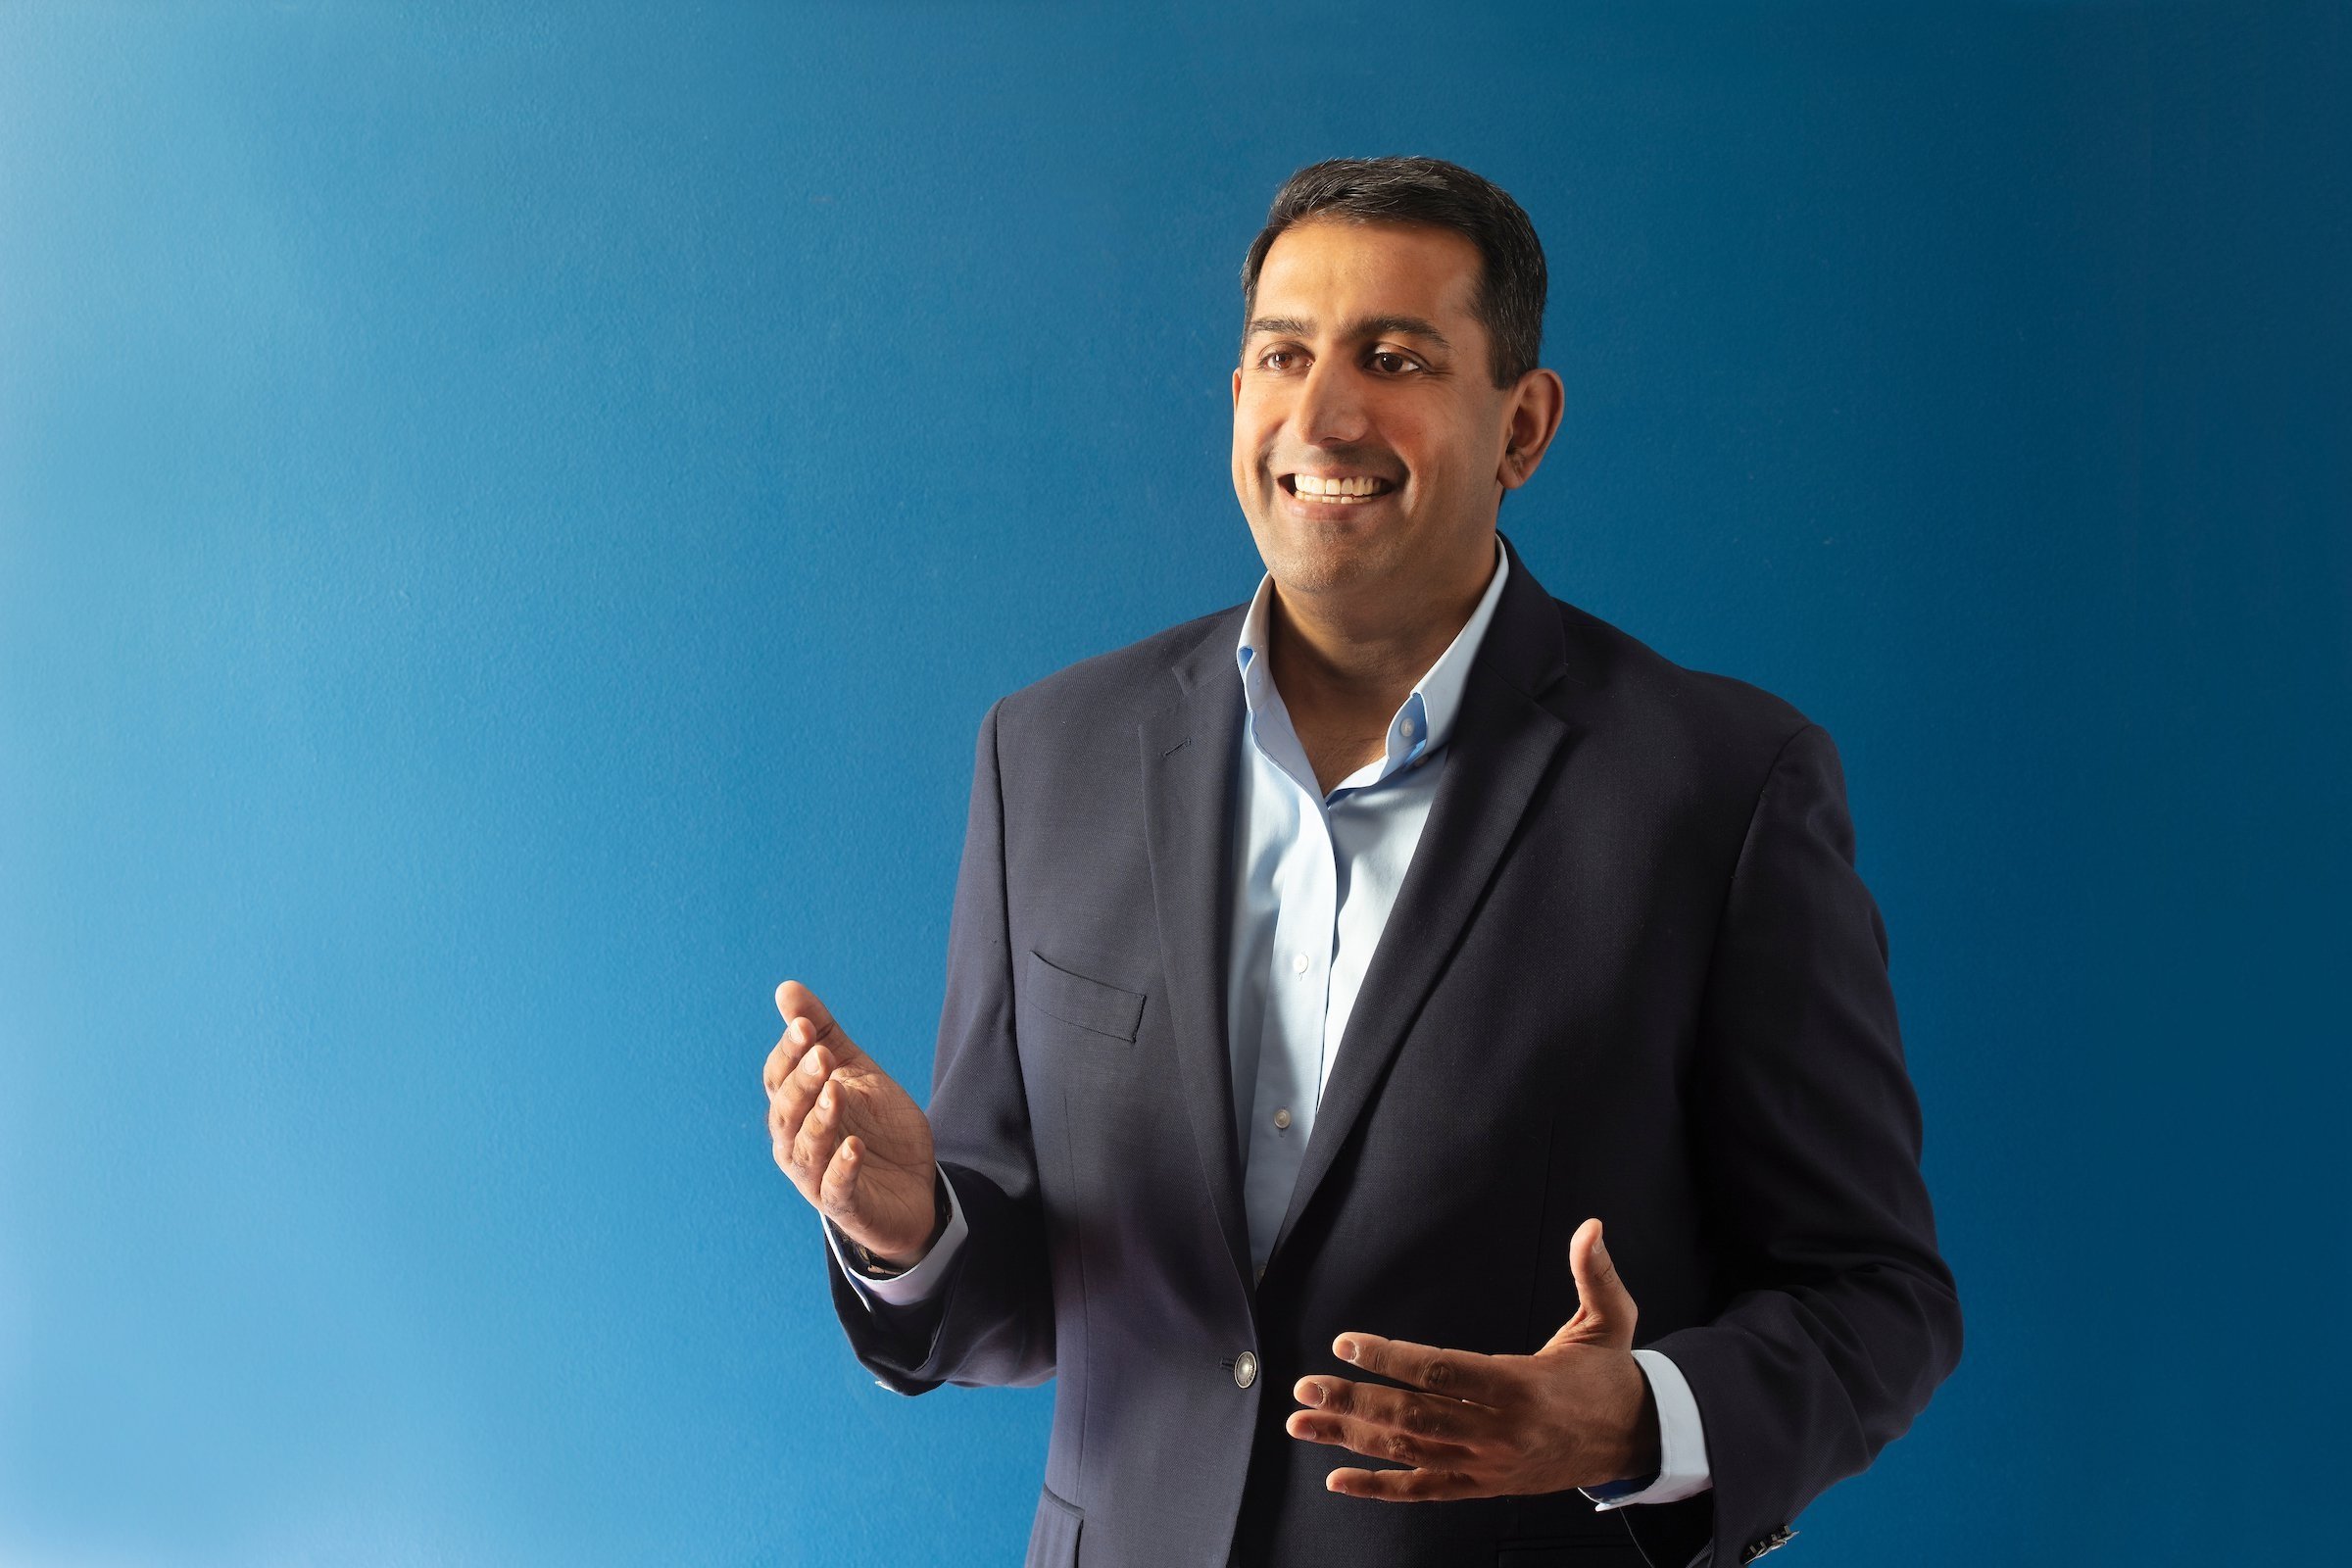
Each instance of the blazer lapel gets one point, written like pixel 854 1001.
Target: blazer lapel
pixel 1191 749
pixel 1502 744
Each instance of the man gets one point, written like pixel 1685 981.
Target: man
pixel 1325 971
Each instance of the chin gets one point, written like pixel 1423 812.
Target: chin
pixel 1314 564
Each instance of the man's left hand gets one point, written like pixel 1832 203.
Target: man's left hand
pixel 1576 1413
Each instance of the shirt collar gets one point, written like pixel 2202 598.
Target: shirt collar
pixel 1425 719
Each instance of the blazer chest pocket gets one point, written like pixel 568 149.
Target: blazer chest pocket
pixel 1105 1009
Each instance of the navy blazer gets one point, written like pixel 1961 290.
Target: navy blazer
pixel 1630 973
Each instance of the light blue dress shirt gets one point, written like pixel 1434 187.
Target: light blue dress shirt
pixel 1316 875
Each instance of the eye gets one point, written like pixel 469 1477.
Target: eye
pixel 1383 359
pixel 1271 356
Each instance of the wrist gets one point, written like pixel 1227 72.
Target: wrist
pixel 1641 1445
pixel 889 1265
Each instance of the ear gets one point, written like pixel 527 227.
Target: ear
pixel 1237 386
pixel 1532 420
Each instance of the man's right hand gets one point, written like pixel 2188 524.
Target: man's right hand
pixel 856 1143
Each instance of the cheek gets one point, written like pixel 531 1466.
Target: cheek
pixel 1404 426
pixel 1443 459
pixel 1425 462
pixel 1252 431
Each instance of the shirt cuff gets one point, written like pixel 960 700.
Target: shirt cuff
pixel 919 1283
pixel 1682 1444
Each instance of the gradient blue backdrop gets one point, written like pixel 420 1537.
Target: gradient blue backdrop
pixel 509 523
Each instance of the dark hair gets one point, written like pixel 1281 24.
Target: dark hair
pixel 1443 195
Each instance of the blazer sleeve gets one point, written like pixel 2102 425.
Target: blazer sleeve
pixel 1841 1317
pixel 991 1322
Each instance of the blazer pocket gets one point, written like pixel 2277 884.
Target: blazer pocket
pixel 1087 1004
pixel 1053 1533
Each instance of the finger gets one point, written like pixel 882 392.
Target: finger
pixel 1374 1442
pixel 788 1103
pixel 788 1113
pixel 794 1059
pixel 795 1001
pixel 1456 1374
pixel 799 1005
pixel 1407 1486
pixel 837 1192
pixel 774 1070
pixel 1433 1416
pixel 1605 1312
pixel 819 1136
pixel 791 1051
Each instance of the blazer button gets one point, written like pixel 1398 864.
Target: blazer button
pixel 1245 1368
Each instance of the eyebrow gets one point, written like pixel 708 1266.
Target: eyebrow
pixel 1368 326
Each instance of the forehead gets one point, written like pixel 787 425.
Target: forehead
pixel 1330 270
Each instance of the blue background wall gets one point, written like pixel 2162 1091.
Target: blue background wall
pixel 508 524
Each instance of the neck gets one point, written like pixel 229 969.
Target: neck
pixel 1350 664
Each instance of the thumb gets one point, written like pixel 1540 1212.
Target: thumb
pixel 808 1023
pixel 1605 1312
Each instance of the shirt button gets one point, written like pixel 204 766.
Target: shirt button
pixel 1282 1118
pixel 1297 964
pixel 1245 1369
pixel 1406 728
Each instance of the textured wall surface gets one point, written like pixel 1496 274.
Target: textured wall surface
pixel 509 519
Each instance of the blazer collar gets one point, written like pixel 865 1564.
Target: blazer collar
pixel 1503 744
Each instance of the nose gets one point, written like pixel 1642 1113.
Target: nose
pixel 1330 412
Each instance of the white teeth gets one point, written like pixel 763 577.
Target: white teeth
pixel 1358 487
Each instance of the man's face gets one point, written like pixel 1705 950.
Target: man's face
pixel 1363 369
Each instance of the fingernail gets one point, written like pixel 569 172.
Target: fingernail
pixel 1310 1394
pixel 1347 1350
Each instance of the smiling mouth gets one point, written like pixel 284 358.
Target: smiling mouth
pixel 1353 490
